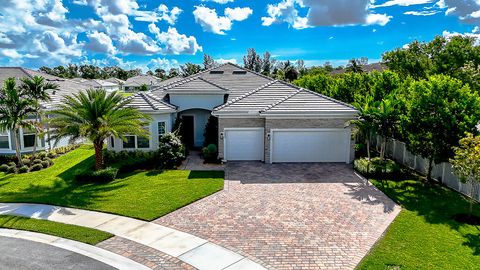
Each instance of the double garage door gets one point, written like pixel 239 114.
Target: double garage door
pixel 289 145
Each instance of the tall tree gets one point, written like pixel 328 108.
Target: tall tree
pixel 355 66
pixel 412 60
pixel 252 60
pixel 37 89
pixel 267 64
pixel 190 69
pixel 385 119
pixel 161 73
pixel 365 124
pixel 441 111
pixel 173 72
pixel 208 62
pixel 15 107
pixel 96 115
pixel 466 164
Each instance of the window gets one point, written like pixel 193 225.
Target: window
pixel 28 138
pixel 129 142
pixel 162 129
pixel 112 142
pixel 143 142
pixel 216 72
pixel 238 72
pixel 4 141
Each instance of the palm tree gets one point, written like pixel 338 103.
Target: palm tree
pixel 96 115
pixel 37 89
pixel 385 118
pixel 365 124
pixel 15 106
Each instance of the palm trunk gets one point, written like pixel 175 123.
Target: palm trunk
pixel 99 162
pixel 368 148
pixel 36 135
pixel 17 147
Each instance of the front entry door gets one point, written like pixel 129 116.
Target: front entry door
pixel 188 130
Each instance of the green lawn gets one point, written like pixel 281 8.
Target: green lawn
pixel 143 195
pixel 424 235
pixel 77 233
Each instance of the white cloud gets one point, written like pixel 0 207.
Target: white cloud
pixel 210 21
pixel 224 61
pixel 219 1
pixel 324 13
pixel 474 34
pixel 100 42
pixel 422 13
pixel 138 43
pixel 404 3
pixel 10 53
pixel 238 13
pixel 162 13
pixel 173 42
pixel 162 63
pixel 468 11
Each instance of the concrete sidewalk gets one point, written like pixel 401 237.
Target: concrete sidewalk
pixel 193 250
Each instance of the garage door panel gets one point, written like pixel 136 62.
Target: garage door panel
pixel 244 144
pixel 310 145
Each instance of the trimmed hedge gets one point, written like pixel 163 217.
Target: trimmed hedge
pixel 101 176
pixel 376 168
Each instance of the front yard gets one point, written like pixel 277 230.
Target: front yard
pixel 145 195
pixel 424 235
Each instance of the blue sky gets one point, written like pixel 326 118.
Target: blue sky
pixel 151 33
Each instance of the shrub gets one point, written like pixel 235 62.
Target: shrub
pixel 101 176
pixel 171 151
pixel 27 161
pixel 375 167
pixel 4 168
pixel 12 169
pixel 36 167
pixel 52 154
pixel 210 153
pixel 23 169
pixel 45 164
pixel 37 161
pixel 12 164
pixel 49 160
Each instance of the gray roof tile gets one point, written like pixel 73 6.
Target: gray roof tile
pixel 145 101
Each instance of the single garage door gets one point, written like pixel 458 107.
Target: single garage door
pixel 310 145
pixel 244 144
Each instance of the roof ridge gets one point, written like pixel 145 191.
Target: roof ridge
pixel 194 75
pixel 252 71
pixel 281 101
pixel 318 94
pixel 245 95
pixel 148 101
pixel 212 83
pixel 149 94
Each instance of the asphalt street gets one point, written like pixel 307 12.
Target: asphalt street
pixel 28 255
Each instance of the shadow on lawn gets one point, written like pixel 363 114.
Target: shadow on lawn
pixel 369 194
pixel 64 190
pixel 206 174
pixel 436 204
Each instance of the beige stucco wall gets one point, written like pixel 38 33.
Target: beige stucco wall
pixel 235 123
pixel 299 123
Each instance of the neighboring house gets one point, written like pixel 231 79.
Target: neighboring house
pixel 27 137
pixel 365 68
pixel 259 118
pixel 134 84
pixel 117 81
pixel 99 84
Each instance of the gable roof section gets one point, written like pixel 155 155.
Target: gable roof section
pixel 255 101
pixel 146 102
pixel 236 84
pixel 306 102
pixel 142 79
pixel 196 85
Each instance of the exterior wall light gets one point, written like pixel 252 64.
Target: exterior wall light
pixel 221 135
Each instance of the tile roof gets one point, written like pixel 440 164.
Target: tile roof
pixel 66 86
pixel 195 85
pixel 146 102
pixel 115 80
pixel 142 79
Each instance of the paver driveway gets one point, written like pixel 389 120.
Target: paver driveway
pixel 291 216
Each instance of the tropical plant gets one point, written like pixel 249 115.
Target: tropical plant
pixel 365 124
pixel 96 115
pixel 37 89
pixel 385 118
pixel 466 164
pixel 440 112
pixel 15 106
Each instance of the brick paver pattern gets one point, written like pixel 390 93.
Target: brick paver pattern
pixel 291 216
pixel 147 256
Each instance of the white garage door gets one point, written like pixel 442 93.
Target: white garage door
pixel 244 144
pixel 310 145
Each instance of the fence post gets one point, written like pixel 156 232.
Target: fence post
pixel 443 172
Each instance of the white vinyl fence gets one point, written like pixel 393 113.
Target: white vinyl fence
pixel 442 172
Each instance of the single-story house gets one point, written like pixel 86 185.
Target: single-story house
pixel 259 118
pixel 134 84
pixel 99 84
pixel 27 137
